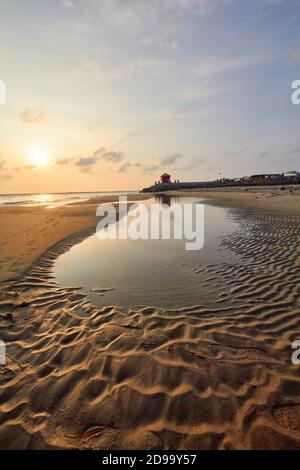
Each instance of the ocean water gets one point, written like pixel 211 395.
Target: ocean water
pixel 53 198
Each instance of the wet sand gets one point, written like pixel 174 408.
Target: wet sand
pixel 270 197
pixel 28 231
pixel 196 378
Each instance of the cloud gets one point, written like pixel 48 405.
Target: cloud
pixel 182 112
pixel 87 169
pixel 235 152
pixel 86 161
pixel 64 161
pixel 4 175
pixel 69 4
pixel 109 155
pixel 194 162
pixel 125 167
pixel 171 159
pixel 262 155
pixel 160 21
pixel 150 168
pixel 33 116
pixel 24 167
pixel 291 149
pixel 290 153
pixel 195 102
pixel 219 65
pixel 28 167
pixel 132 13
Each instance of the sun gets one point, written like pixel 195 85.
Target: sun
pixel 39 156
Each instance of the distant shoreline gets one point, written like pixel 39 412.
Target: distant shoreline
pixel 272 197
pixel 57 197
pixel 220 185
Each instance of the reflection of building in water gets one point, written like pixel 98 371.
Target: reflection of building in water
pixel 163 199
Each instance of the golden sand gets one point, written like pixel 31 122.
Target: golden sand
pixel 195 378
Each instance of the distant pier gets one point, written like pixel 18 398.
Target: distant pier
pixel 165 183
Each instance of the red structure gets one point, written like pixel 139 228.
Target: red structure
pixel 165 178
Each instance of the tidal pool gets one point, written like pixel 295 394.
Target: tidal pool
pixel 137 273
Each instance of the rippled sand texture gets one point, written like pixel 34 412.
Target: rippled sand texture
pixel 195 378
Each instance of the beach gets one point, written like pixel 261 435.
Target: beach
pixel 199 377
pixel 28 231
pixel 270 197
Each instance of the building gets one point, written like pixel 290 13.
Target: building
pixel 273 176
pixel 257 178
pixel 291 174
pixel 165 178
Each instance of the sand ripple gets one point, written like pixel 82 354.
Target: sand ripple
pixel 194 378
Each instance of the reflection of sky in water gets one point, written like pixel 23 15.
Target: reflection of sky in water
pixel 146 272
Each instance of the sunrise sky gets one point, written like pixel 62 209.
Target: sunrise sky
pixel 107 94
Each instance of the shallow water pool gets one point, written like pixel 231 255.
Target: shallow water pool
pixel 138 273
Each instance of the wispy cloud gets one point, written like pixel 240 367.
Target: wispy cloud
pixel 132 13
pixel 86 164
pixel 86 161
pixel 65 161
pixel 109 155
pixel 195 102
pixel 125 167
pixel 68 3
pixel 291 149
pixel 220 65
pixel 263 155
pixel 195 162
pixel 234 152
pixel 33 116
pixel 150 168
pixel 171 159
pixel 4 173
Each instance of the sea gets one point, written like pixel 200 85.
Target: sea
pixel 54 198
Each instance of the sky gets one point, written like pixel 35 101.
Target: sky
pixel 108 94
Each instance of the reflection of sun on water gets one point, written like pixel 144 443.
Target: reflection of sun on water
pixel 40 198
pixel 39 156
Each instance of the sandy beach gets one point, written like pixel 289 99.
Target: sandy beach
pixel 28 231
pixel 80 377
pixel 270 197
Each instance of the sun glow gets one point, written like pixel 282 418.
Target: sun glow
pixel 39 156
